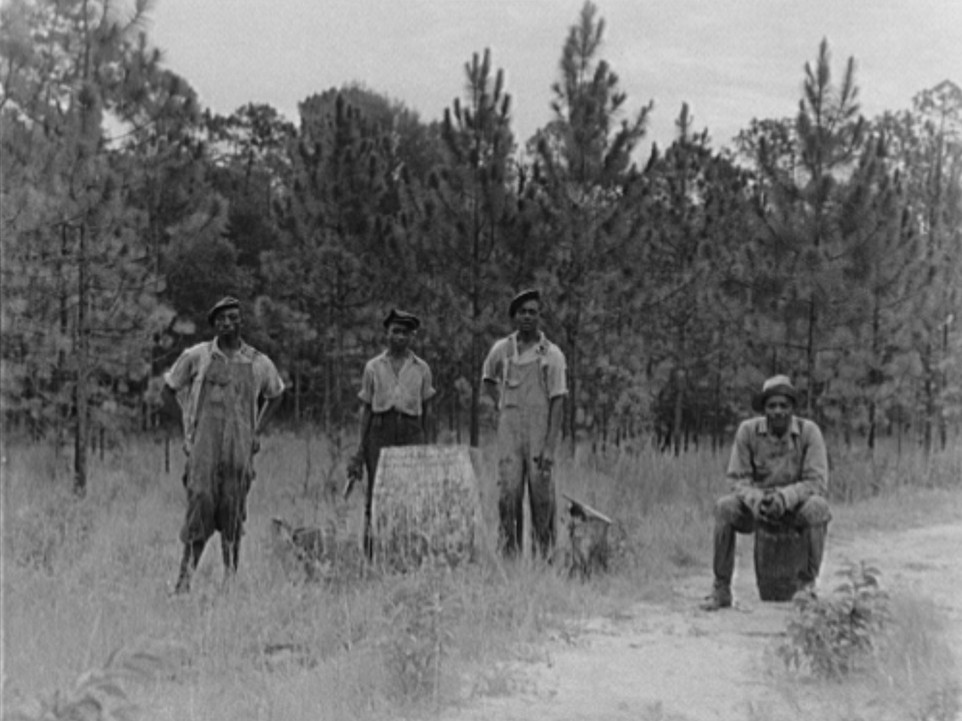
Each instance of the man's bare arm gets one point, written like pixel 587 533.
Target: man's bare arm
pixel 426 409
pixel 491 388
pixel 169 407
pixel 555 416
pixel 365 428
pixel 268 408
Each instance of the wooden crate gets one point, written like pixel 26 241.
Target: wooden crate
pixel 426 506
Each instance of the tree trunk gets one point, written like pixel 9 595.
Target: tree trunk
pixel 928 387
pixel 574 369
pixel 81 390
pixel 810 359
pixel 679 407
pixel 943 383
pixel 475 422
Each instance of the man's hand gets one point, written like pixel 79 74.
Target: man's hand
pixel 355 467
pixel 355 472
pixel 545 462
pixel 772 506
pixel 753 498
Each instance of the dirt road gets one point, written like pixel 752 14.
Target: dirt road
pixel 674 662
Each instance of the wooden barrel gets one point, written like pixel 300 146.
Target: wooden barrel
pixel 781 553
pixel 426 505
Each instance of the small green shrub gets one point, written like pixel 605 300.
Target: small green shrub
pixel 829 636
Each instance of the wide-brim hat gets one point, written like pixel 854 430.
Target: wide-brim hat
pixel 521 298
pixel 408 320
pixel 774 386
pixel 223 304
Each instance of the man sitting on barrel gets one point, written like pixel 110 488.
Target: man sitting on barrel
pixel 779 475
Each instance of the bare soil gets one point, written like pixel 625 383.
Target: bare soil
pixel 673 661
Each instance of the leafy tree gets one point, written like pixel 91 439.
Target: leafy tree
pixel 476 212
pixel 585 166
pixel 337 263
pixel 80 290
pixel 926 152
pixel 697 215
pixel 803 173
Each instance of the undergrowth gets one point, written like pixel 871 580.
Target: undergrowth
pixel 830 636
pixel 359 642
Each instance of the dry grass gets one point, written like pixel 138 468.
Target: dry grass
pixel 83 578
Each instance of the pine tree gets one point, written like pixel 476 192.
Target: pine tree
pixel 697 215
pixel 338 261
pixel 803 176
pixel 80 289
pixel 585 168
pixel 476 214
pixel 927 152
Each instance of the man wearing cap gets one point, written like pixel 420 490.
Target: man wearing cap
pixel 227 391
pixel 395 389
pixel 779 475
pixel 525 375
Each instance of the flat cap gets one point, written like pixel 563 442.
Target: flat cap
pixel 409 320
pixel 223 304
pixel 775 386
pixel 523 297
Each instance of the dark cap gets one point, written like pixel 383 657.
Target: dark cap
pixel 523 297
pixel 408 320
pixel 223 304
pixel 775 386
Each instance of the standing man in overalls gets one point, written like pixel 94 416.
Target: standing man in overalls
pixel 227 390
pixel 395 389
pixel 525 375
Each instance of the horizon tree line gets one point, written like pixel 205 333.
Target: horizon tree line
pixel 824 245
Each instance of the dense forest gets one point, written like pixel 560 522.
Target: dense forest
pixel 822 244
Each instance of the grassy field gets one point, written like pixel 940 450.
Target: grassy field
pixel 83 579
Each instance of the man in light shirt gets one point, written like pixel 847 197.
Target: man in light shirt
pixel 227 391
pixel 396 388
pixel 525 375
pixel 778 473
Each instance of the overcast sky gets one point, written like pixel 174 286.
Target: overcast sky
pixel 731 60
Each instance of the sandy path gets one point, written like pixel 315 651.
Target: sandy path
pixel 673 661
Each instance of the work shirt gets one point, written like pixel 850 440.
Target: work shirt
pixel 405 391
pixel 186 378
pixel 504 357
pixel 796 463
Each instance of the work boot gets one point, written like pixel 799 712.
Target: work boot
pixel 720 597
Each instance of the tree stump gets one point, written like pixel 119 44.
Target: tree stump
pixel 426 505
pixel 588 536
pixel 781 553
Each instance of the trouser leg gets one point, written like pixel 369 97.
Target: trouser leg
pixel 368 505
pixel 511 503
pixel 188 564
pixel 230 551
pixel 816 549
pixel 512 475
pixel 231 517
pixel 731 516
pixel 371 457
pixel 543 511
pixel 814 515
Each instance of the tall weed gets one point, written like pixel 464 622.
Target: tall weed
pixel 355 645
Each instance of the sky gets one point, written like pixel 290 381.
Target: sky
pixel 730 60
